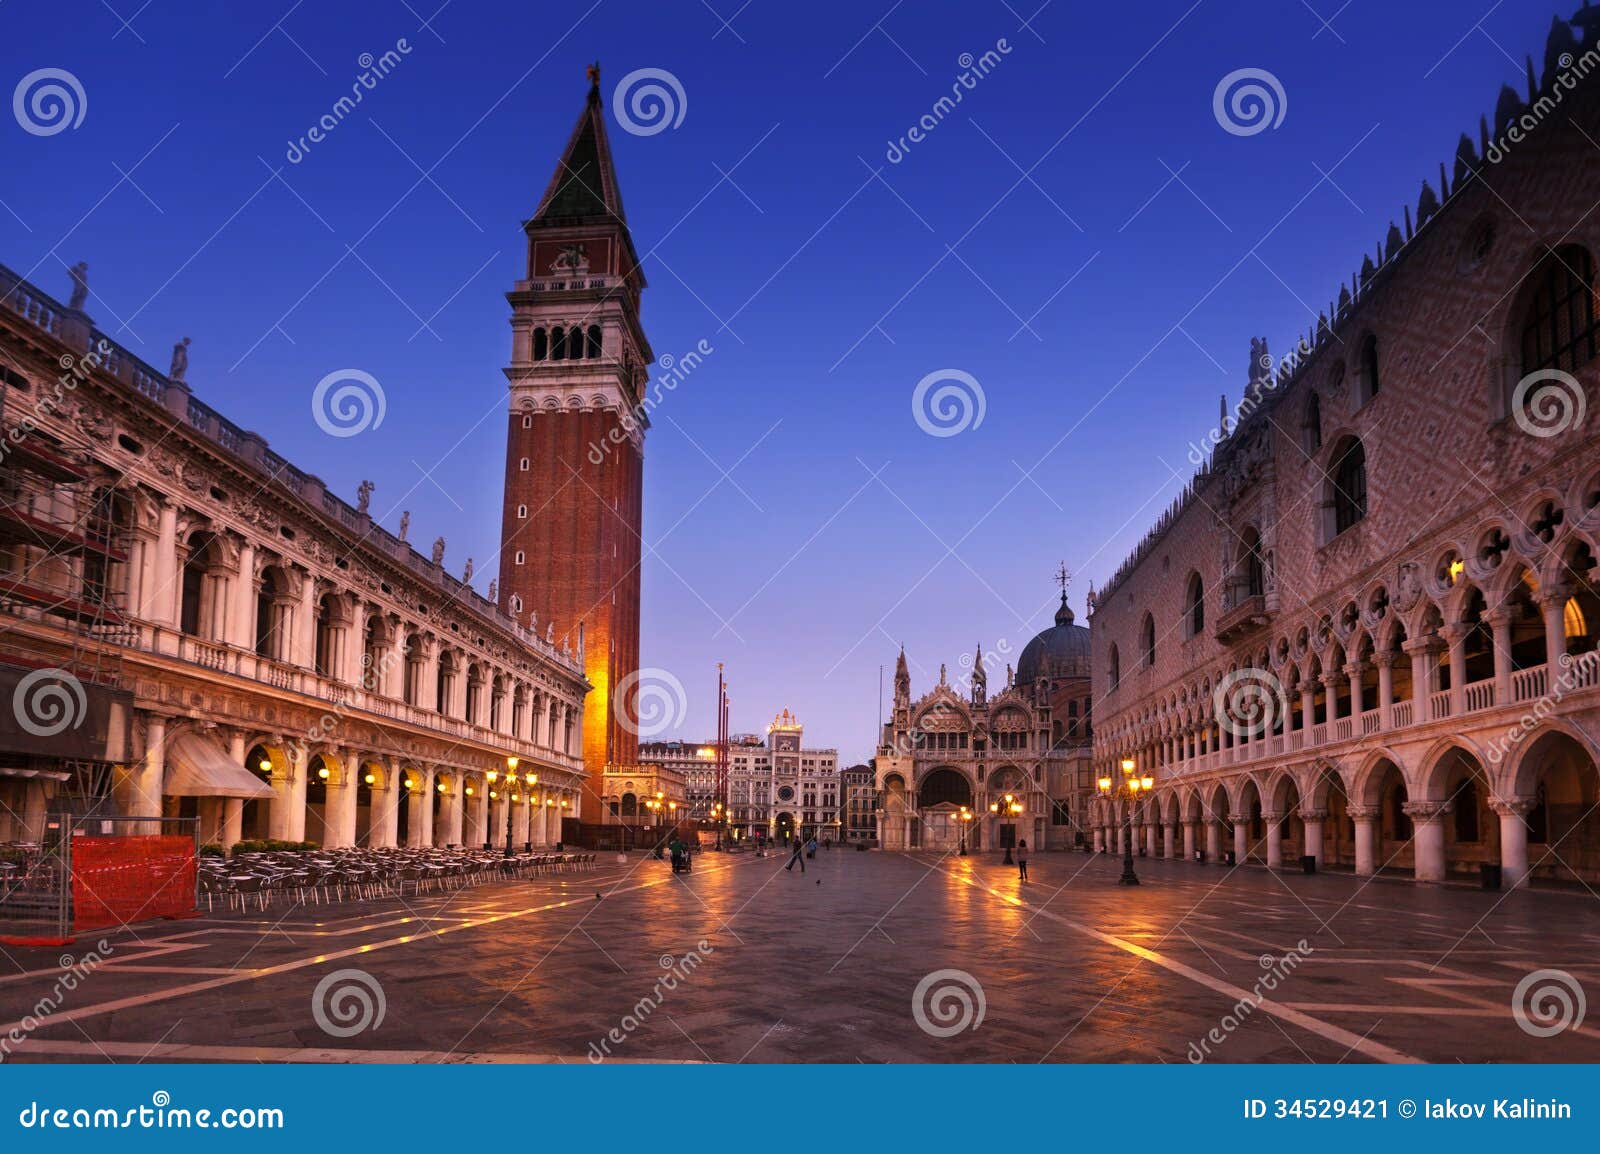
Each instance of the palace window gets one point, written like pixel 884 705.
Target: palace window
pixel 1559 329
pixel 521 557
pixel 1114 668
pixel 1194 608
pixel 1311 426
pixel 1348 498
pixel 1147 641
pixel 541 344
pixel 1369 369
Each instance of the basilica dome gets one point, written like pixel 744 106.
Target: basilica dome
pixel 1063 649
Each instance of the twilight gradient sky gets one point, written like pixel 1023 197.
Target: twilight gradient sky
pixel 1081 236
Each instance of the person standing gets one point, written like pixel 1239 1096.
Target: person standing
pixel 1022 859
pixel 799 855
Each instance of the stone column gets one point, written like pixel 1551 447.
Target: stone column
pixel 1553 606
pixel 1330 694
pixel 146 800
pixel 1308 709
pixel 450 812
pixel 1099 840
pixel 1213 840
pixel 161 595
pixel 233 807
pixel 1313 819
pixel 242 620
pixel 1366 821
pixel 1513 839
pixel 286 821
pixel 339 813
pixel 1353 671
pixel 1150 839
pixel 1241 838
pixel 1427 838
pixel 1188 840
pixel 1500 622
pixel 1456 637
pixel 1385 664
pixel 420 826
pixel 1274 839
pixel 1169 839
pixel 304 634
pixel 386 805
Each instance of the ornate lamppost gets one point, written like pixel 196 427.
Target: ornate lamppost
pixel 510 798
pixel 964 817
pixel 1128 791
pixel 1009 806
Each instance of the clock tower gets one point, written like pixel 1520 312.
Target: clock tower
pixel 570 544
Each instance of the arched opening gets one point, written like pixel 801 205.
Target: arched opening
pixel 474 714
pixel 785 826
pixel 268 642
pixel 1345 493
pixel 1369 368
pixel 1580 616
pixel 1147 641
pixel 445 689
pixel 1114 667
pixel 594 341
pixel 1338 828
pixel 1250 574
pixel 325 650
pixel 1311 425
pixel 369 790
pixel 541 344
pixel 1392 846
pixel 558 344
pixel 1478 646
pixel 944 787
pixel 1560 776
pixel 1471 828
pixel 1194 607
pixel 199 613
pixel 255 820
pixel 319 772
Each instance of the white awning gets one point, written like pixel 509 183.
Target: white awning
pixel 198 767
pixel 46 774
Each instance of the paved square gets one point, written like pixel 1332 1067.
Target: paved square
pixel 824 967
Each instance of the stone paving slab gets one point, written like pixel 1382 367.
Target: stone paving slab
pixel 1068 968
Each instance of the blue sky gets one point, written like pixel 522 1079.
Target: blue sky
pixel 1080 235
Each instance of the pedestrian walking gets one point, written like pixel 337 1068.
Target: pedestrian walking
pixel 1022 859
pixel 798 856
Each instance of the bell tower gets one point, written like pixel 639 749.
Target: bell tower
pixel 570 545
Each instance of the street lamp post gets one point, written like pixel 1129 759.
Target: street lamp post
pixel 511 798
pixel 1128 790
pixel 964 817
pixel 1009 807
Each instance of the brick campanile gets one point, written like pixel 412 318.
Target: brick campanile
pixel 575 445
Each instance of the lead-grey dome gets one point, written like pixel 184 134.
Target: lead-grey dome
pixel 1062 643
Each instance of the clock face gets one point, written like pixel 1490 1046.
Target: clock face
pixel 785 793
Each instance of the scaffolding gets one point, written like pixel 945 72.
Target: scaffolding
pixel 63 569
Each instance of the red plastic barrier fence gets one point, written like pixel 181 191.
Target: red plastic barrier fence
pixel 131 879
